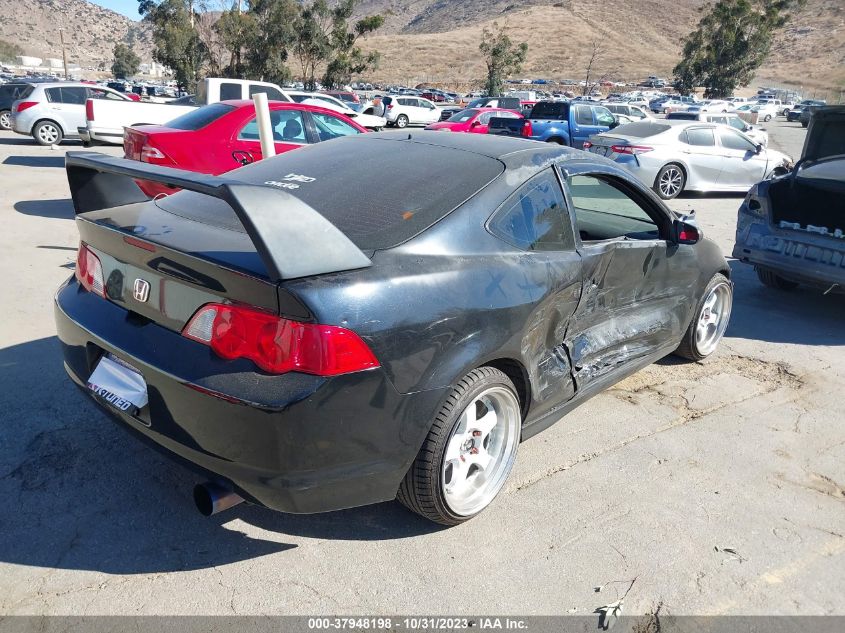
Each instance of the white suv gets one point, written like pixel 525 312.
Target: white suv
pixel 403 111
pixel 53 111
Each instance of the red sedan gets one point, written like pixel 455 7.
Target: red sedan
pixel 473 120
pixel 222 136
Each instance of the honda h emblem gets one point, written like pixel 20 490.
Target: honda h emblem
pixel 141 290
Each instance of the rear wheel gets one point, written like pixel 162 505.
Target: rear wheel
pixel 710 321
pixel 47 133
pixel 401 121
pixel 5 120
pixel 767 118
pixel 469 451
pixel 771 279
pixel 670 181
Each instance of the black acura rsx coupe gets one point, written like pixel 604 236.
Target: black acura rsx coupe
pixel 378 317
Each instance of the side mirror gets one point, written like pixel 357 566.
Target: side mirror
pixel 758 149
pixel 475 124
pixel 685 230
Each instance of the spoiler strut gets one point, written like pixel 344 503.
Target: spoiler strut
pixel 292 239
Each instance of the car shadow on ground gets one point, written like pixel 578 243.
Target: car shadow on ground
pixel 701 195
pixel 83 494
pixel 15 140
pixel 36 161
pixel 803 316
pixel 60 208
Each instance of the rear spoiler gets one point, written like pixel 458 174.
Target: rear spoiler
pixel 292 239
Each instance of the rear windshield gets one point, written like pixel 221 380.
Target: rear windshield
pixel 15 91
pixel 640 129
pixel 549 110
pixel 199 118
pixel 379 192
pixel 463 115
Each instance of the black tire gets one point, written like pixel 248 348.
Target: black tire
pixel 804 124
pixel 771 279
pixel 47 133
pixel 421 490
pixel 5 120
pixel 402 121
pixel 689 347
pixel 767 118
pixel 676 180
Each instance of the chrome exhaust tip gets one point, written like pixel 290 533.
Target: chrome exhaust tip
pixel 211 498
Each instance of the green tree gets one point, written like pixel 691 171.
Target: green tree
pixel 346 58
pixel 177 42
pixel 268 46
pixel 731 42
pixel 311 44
pixel 126 62
pixel 235 29
pixel 503 58
pixel 9 51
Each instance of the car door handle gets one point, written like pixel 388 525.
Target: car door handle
pixel 243 157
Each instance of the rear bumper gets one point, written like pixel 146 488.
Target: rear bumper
pixel 799 256
pixel 294 443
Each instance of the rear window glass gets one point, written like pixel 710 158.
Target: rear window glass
pixel 200 117
pixel 699 136
pixel 14 92
pixel 551 110
pixel 230 91
pixel 416 185
pixel 640 129
pixel 463 115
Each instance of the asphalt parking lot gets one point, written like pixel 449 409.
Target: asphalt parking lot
pixel 649 482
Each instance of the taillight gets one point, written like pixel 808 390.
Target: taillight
pixel 630 149
pixel 587 145
pixel 150 154
pixel 23 105
pixel 89 110
pixel 526 128
pixel 278 345
pixel 389 106
pixel 89 271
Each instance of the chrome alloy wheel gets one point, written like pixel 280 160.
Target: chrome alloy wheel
pixel 713 318
pixel 481 451
pixel 670 182
pixel 48 133
pixel 5 120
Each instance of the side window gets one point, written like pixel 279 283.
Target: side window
pixel 603 116
pixel 404 102
pixel 534 218
pixel 737 123
pixel 272 93
pixel 287 127
pixel 636 113
pixel 732 140
pixel 699 136
pixel 230 91
pixel 74 95
pixel 583 115
pixel 329 127
pixel 54 95
pixel 485 117
pixel 98 93
pixel 603 211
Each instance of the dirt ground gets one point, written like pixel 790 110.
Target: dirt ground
pixel 719 487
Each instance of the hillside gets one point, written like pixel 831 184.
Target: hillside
pixel 90 31
pixel 437 40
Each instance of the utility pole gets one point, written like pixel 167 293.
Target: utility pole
pixel 64 53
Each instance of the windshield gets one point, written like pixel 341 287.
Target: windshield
pixel 463 116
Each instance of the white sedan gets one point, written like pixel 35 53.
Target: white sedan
pixel 368 121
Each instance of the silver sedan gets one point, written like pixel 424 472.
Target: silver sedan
pixel 675 156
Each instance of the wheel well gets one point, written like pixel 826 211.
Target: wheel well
pixel 519 377
pixel 56 123
pixel 555 139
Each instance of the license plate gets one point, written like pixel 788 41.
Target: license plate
pixel 119 384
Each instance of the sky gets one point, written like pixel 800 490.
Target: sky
pixel 128 8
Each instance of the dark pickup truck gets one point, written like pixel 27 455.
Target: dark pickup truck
pixel 792 228
pixel 557 122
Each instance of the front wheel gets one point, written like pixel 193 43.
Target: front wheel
pixel 670 181
pixel 710 320
pixel 767 118
pixel 469 451
pixel 401 121
pixel 47 133
pixel 5 120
